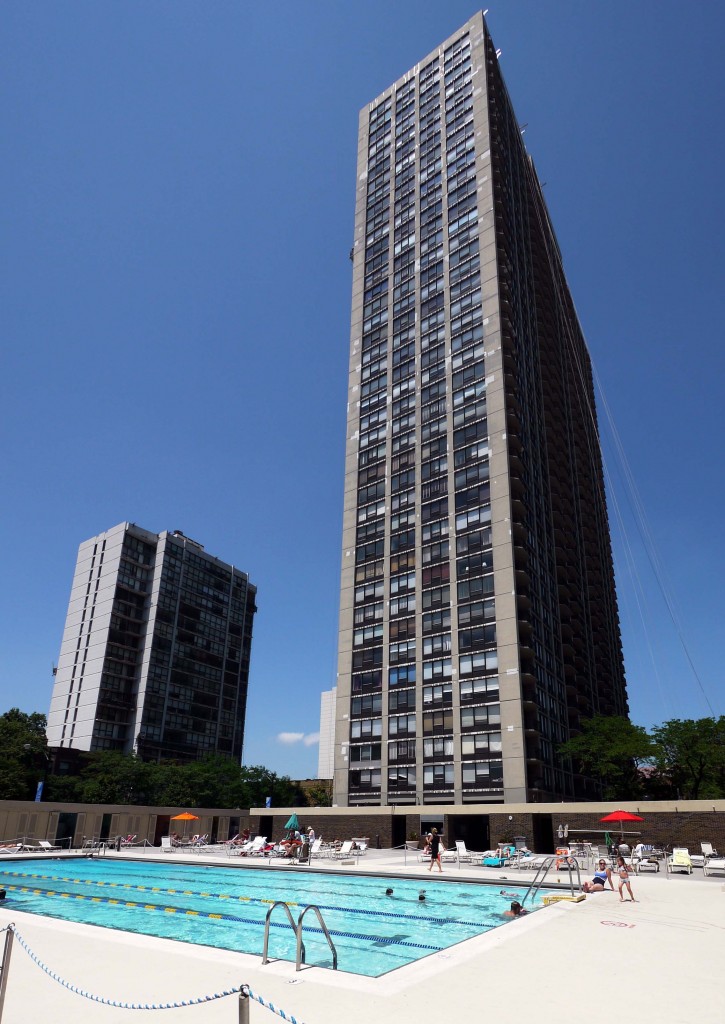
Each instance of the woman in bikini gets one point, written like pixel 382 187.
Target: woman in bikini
pixel 623 872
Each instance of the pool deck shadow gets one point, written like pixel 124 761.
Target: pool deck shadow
pixel 660 959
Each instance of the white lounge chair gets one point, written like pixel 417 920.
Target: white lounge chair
pixel 708 850
pixel 462 854
pixel 345 850
pixel 713 865
pixel 167 845
pixel 253 847
pixel 45 845
pixel 316 848
pixel 680 860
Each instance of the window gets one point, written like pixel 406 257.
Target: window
pixel 436 622
pixel 401 778
pixel 368 613
pixel 479 689
pixel 401 700
pixel 437 669
pixel 368 681
pixel 402 605
pixel 435 775
pixel 438 746
pixel 433 645
pixel 403 676
pixel 479 636
pixel 404 651
pixel 370 703
pixel 485 774
pixel 369 634
pixel 401 584
pixel 481 744
pixel 365 752
pixel 365 779
pixel 440 720
pixel 440 694
pixel 401 725
pixel 482 715
pixel 366 728
pixel 369 592
pixel 482 661
pixel 439 597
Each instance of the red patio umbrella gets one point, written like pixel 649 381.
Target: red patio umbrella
pixel 621 817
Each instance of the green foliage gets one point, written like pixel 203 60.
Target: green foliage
pixel 25 755
pixel 320 795
pixel 691 755
pixel 611 748
pixel 215 781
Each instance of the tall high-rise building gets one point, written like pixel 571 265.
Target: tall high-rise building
pixel 155 652
pixel 479 620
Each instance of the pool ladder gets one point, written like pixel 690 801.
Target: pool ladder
pixel 297 928
pixel 543 871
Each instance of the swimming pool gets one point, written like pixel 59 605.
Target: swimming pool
pixel 226 908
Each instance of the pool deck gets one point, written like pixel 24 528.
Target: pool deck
pixel 658 960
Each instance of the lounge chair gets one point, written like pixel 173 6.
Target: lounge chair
pixel 713 865
pixel 167 845
pixel 494 859
pixel 316 848
pixel 346 850
pixel 680 860
pixel 254 847
pixel 461 853
pixel 11 848
pixel 708 850
pixel 529 861
pixel 45 845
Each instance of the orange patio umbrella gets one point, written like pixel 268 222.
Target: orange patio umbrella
pixel 185 816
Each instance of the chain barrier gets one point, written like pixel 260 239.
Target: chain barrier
pixel 243 990
pixel 270 1006
pixel 194 1001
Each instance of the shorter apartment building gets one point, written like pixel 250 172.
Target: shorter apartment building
pixel 156 649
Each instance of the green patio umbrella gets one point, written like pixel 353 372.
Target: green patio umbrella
pixel 293 822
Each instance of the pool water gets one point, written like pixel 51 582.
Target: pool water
pixel 226 908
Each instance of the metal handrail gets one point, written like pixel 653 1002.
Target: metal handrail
pixel 279 903
pixel 541 873
pixel 300 945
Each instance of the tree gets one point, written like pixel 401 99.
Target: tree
pixel 320 795
pixel 691 753
pixel 612 749
pixel 24 753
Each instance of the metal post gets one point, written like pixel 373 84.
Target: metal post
pixel 5 967
pixel 243 1005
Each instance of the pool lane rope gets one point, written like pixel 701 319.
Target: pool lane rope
pixel 386 914
pixel 183 912
pixel 120 1004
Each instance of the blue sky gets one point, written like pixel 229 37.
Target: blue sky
pixel 178 183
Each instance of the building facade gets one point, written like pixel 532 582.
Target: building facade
pixel 478 621
pixel 156 648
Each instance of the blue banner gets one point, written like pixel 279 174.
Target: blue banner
pixel 268 801
pixel 39 792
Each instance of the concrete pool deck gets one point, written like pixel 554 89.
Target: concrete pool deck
pixel 660 959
